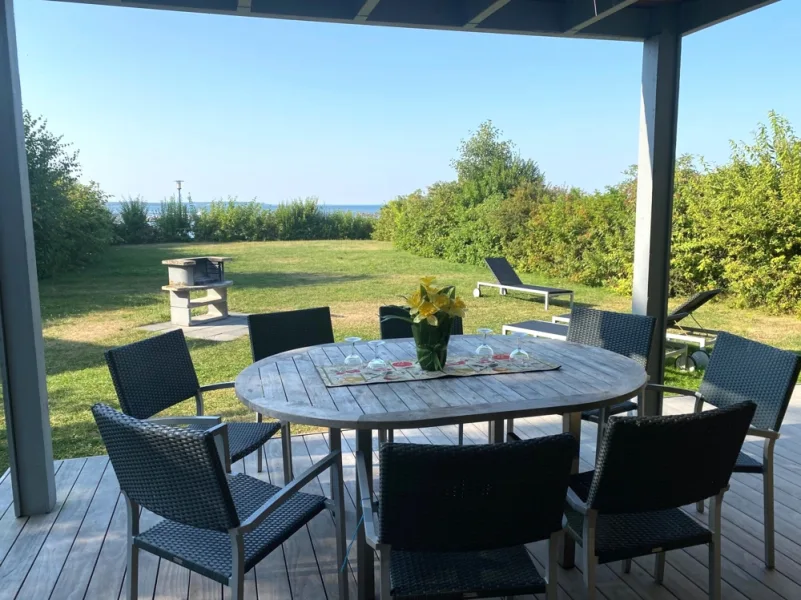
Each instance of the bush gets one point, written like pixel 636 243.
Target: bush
pixel 231 221
pixel 132 224
pixel 72 225
pixel 173 222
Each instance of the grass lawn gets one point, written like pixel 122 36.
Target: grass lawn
pixel 86 312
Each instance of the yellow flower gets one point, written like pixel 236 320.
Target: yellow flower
pixel 427 309
pixel 427 281
pixel 432 320
pixel 415 300
pixel 441 301
pixel 457 308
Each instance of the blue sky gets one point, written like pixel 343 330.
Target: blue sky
pixel 357 115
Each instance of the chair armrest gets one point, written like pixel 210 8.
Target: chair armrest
pixel 269 507
pixel 223 385
pixel 658 387
pixel 366 500
pixel 575 502
pixel 207 422
pixel 220 434
pixel 764 433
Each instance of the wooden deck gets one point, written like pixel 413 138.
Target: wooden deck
pixel 78 550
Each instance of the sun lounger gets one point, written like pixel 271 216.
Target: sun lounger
pixel 508 280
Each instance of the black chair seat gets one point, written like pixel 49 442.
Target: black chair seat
pixel 209 552
pixel 244 438
pixel 626 535
pixel 452 575
pixel 748 464
pixel 615 409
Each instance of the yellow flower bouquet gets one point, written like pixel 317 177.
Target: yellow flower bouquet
pixel 431 313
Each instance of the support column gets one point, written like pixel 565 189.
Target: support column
pixel 661 66
pixel 25 395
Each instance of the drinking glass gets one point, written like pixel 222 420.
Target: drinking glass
pixel 377 363
pixel 353 359
pixel 484 350
pixel 518 354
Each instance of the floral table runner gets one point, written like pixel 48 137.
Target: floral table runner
pixel 407 370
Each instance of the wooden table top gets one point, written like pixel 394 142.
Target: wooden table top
pixel 288 387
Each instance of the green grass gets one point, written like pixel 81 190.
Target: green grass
pixel 86 312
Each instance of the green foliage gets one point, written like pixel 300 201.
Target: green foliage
pixel 301 219
pixel 173 223
pixel 132 225
pixel 232 221
pixel 736 226
pixel 72 225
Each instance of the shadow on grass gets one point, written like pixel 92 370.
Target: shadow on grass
pixel 64 356
pixel 270 279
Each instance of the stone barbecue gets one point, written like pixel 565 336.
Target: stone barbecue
pixel 201 273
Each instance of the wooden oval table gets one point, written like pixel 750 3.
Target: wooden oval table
pixel 288 387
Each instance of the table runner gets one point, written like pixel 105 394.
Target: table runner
pixel 409 370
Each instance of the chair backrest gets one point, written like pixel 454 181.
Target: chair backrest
pixel 175 473
pixel 464 498
pixel 153 374
pixel 393 329
pixel 273 333
pixel 503 271
pixel 629 335
pixel 742 370
pixel 694 302
pixel 655 463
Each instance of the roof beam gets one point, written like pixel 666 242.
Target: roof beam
pixel 583 13
pixel 695 16
pixel 490 10
pixel 365 10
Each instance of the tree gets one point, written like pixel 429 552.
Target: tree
pixel 489 166
pixel 71 223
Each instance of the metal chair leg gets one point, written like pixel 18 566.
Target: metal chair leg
pixel 768 503
pixel 699 506
pixel 391 436
pixel 259 458
pixel 460 435
pixel 286 449
pixel 659 567
pixel 715 505
pixel 237 580
pixel 132 587
pixel 552 584
pixel 382 437
pixel 588 548
pixel 625 565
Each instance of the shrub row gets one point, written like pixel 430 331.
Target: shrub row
pixel 230 221
pixel 736 226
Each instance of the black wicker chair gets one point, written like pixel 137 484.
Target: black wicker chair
pixel 739 370
pixel 157 373
pixel 453 519
pixel 273 333
pixel 647 468
pixel 393 329
pixel 626 334
pixel 217 526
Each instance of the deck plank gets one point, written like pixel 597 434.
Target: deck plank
pixel 34 533
pixel 46 568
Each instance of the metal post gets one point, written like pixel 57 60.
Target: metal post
pixel 25 399
pixel 658 120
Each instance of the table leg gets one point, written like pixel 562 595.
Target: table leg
pixel 571 423
pixel 338 498
pixel 496 432
pixel 365 558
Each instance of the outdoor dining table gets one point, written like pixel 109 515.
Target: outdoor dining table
pixel 289 387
